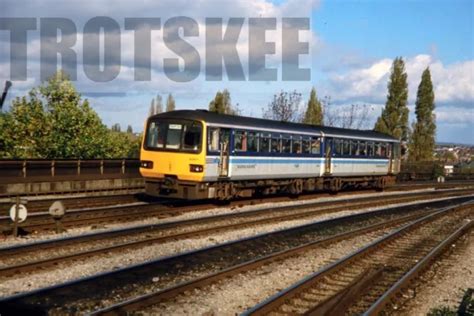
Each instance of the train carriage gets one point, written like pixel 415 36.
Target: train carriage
pixel 199 154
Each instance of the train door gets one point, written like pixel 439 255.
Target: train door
pixel 224 153
pixel 328 155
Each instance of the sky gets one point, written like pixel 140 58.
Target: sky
pixel 351 48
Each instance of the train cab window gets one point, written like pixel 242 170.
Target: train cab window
pixel 370 149
pixel 192 136
pixel 346 147
pixel 173 137
pixel 362 148
pixel 276 143
pixel 252 141
pixel 240 141
pixel 286 144
pixel 213 139
pixel 316 146
pixel 264 143
pixel 156 135
pixel 306 145
pixel 297 145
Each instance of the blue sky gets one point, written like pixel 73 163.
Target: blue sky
pixel 391 28
pixel 352 46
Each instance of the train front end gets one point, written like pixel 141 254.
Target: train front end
pixel 173 156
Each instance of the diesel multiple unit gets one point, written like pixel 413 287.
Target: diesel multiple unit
pixel 200 154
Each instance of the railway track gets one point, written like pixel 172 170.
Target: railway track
pixel 114 287
pixel 19 258
pixel 368 280
pixel 76 202
pixel 139 210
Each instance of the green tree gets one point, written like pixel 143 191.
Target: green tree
pixel 422 142
pixel 170 103
pixel 394 118
pixel 116 127
pixel 129 129
pixel 314 111
pixel 53 122
pixel 156 106
pixel 284 107
pixel 222 104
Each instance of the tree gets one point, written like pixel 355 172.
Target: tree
pixel 394 117
pixel 422 142
pixel 54 122
pixel 156 106
pixel 284 107
pixel 116 127
pixel 222 104
pixel 170 103
pixel 314 111
pixel 129 129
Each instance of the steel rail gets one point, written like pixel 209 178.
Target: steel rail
pixel 98 287
pixel 51 261
pixel 287 295
pixel 114 214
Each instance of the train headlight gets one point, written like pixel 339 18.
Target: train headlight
pixel 196 168
pixel 146 164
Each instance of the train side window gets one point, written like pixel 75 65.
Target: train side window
pixel 338 147
pixel 252 141
pixel 173 137
pixel 296 144
pixel 286 144
pixel 240 141
pixel 362 148
pixel 378 150
pixel 276 143
pixel 213 139
pixel 346 148
pixel 316 146
pixel 383 150
pixel 264 143
pixel 306 145
pixel 354 148
pixel 370 149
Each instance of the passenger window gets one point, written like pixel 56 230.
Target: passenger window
pixel 297 144
pixel 286 144
pixel 370 149
pixel 378 150
pixel 252 141
pixel 338 147
pixel 306 145
pixel 354 148
pixel 316 146
pixel 264 143
pixel 346 148
pixel 363 148
pixel 276 144
pixel 383 150
pixel 240 141
pixel 192 135
pixel 213 139
pixel 173 137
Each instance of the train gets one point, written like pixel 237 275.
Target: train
pixel 197 154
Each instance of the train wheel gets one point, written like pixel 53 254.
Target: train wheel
pixel 296 187
pixel 335 185
pixel 381 184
